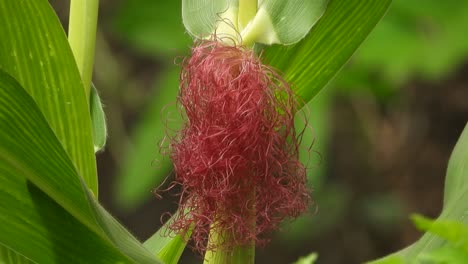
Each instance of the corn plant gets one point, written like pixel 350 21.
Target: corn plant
pixel 52 124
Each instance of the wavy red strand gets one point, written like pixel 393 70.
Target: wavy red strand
pixel 237 156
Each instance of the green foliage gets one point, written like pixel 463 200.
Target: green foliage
pixel 313 62
pixel 453 250
pixel 45 213
pixel 8 256
pixel 454 232
pixel 48 212
pixel 34 50
pixel 411 41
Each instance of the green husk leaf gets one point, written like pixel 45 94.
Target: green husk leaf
pixel 200 16
pixel 247 22
pixel 283 22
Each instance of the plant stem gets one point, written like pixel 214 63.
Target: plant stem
pixel 237 255
pixel 247 11
pixel 244 254
pixel 82 37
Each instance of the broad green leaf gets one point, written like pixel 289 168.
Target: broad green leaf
pixel 30 151
pixel 98 119
pixel 167 245
pixel 38 228
pixel 455 205
pixel 314 61
pixel 35 51
pixel 29 147
pixel 152 26
pixel 32 224
pixel 145 167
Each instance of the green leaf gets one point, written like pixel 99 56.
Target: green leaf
pixel 456 184
pixel 314 61
pixel 167 245
pixel 38 228
pixel 310 259
pixel 145 167
pixel 152 26
pixel 8 256
pixel 455 206
pixel 394 259
pixel 35 51
pixel 32 224
pixel 448 254
pixel 453 231
pixel 98 119
pixel 29 147
pixel 30 151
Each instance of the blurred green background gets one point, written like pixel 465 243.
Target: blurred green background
pixel 381 132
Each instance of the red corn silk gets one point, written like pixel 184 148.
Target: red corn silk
pixel 236 158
